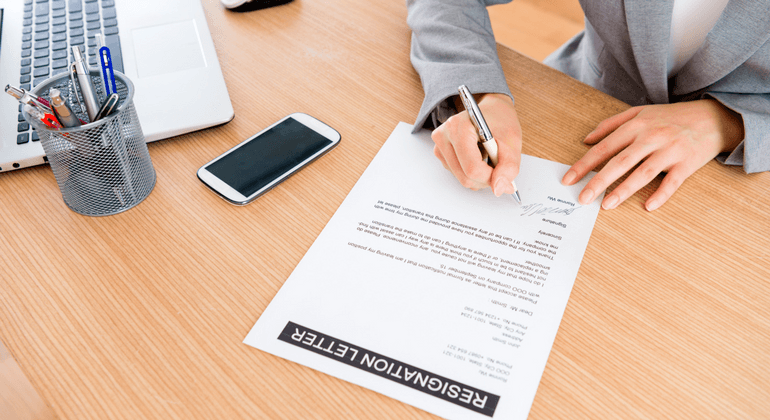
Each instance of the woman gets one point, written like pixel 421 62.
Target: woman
pixel 696 71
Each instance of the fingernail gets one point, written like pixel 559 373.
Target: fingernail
pixel 586 196
pixel 610 203
pixel 499 187
pixel 653 205
pixel 569 177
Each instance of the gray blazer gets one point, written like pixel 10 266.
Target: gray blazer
pixel 622 52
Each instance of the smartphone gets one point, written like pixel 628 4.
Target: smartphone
pixel 264 160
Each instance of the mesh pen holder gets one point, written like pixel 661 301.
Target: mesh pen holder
pixel 103 167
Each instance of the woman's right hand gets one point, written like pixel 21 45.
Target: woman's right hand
pixel 456 145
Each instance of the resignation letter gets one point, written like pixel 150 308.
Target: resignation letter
pixel 445 298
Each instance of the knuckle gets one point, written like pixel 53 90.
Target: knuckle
pixel 635 124
pixel 437 152
pixel 601 149
pixel 452 121
pixel 673 182
pixel 599 182
pixel 682 145
pixel 475 173
pixel 647 172
pixel 669 185
pixel 468 183
pixel 661 133
pixel 456 123
pixel 438 135
pixel 624 160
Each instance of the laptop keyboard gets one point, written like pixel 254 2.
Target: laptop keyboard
pixel 50 29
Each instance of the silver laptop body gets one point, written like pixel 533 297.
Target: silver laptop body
pixel 164 47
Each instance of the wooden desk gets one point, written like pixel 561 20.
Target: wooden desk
pixel 141 315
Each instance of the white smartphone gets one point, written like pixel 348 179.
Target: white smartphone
pixel 264 160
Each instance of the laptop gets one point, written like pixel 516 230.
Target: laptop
pixel 163 46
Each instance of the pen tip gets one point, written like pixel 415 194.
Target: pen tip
pixel 517 197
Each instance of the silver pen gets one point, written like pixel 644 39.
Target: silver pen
pixel 485 136
pixel 84 81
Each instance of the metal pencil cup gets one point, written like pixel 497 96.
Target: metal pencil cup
pixel 102 168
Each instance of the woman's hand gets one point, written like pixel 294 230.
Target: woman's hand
pixel 456 146
pixel 675 138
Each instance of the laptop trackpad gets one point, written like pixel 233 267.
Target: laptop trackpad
pixel 167 48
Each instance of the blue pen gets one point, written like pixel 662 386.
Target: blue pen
pixel 108 75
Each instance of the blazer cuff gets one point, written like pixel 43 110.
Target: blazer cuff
pixel 753 153
pixel 437 106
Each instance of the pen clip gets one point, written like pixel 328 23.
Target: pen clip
pixel 475 114
pixel 75 86
pixel 108 74
pixel 108 106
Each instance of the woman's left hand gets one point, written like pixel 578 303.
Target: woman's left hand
pixel 675 138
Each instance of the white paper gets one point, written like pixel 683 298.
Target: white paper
pixel 442 297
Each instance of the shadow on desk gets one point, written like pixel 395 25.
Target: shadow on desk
pixel 18 399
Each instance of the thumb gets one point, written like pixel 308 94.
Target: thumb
pixel 509 160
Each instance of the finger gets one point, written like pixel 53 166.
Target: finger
pixel 619 165
pixel 440 156
pixel 671 182
pixel 459 146
pixel 506 129
pixel 597 154
pixel 606 127
pixel 444 150
pixel 506 170
pixel 509 161
pixel 470 160
pixel 454 166
pixel 641 176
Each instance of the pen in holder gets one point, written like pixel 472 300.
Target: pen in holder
pixel 102 167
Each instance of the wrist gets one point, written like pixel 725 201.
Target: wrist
pixel 489 97
pixel 479 97
pixel 730 125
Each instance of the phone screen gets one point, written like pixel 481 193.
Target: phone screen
pixel 266 157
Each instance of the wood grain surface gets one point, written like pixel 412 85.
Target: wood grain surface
pixel 536 28
pixel 141 315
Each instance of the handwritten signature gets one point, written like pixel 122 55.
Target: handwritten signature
pixel 538 208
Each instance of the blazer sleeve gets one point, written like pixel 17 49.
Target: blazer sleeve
pixel 754 152
pixel 452 45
